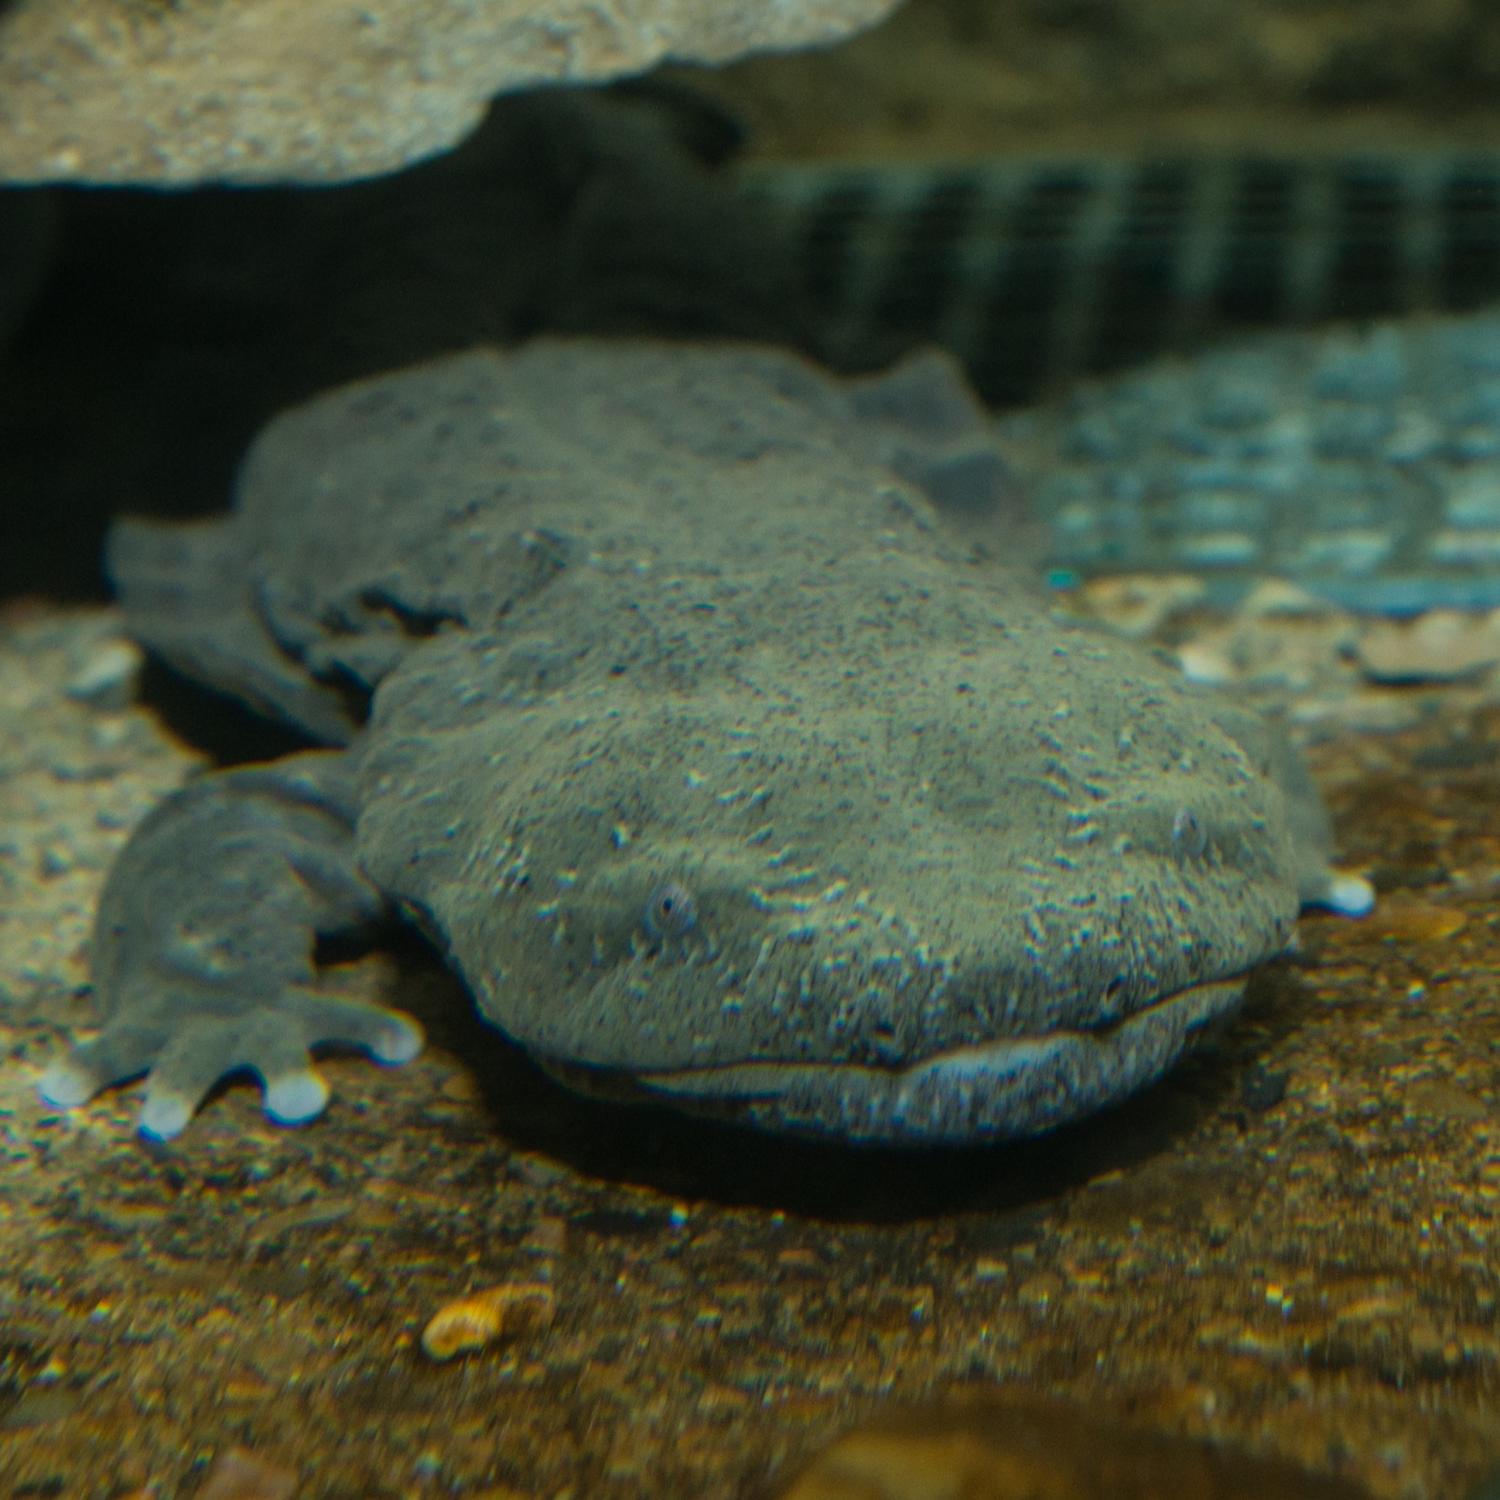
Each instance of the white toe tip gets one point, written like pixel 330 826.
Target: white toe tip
pixel 66 1087
pixel 296 1097
pixel 1350 895
pixel 398 1043
pixel 164 1116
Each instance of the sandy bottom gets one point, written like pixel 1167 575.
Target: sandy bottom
pixel 1289 1246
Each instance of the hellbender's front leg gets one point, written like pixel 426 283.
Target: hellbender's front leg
pixel 203 946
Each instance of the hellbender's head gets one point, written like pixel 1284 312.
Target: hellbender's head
pixel 896 858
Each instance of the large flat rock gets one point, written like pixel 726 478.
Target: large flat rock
pixel 144 91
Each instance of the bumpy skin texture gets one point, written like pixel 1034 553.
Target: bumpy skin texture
pixel 203 947
pixel 709 743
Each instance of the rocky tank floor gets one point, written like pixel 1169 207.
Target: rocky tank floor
pixel 1288 1247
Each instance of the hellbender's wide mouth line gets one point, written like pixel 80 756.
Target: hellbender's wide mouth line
pixel 982 1092
pixel 680 1079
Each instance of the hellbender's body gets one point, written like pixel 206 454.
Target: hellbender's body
pixel 710 742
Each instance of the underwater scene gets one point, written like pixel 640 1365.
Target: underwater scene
pixel 749 752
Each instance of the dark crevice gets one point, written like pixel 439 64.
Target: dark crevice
pixel 414 622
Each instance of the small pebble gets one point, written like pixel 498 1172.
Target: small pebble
pixel 36 1408
pixel 238 1474
pixel 1404 919
pixel 472 1322
pixel 548 1236
pixel 108 678
pixel 1440 646
pixel 1140 605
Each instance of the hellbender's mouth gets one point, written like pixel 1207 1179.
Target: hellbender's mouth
pixel 1003 1089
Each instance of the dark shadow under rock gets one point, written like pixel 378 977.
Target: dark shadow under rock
pixel 169 327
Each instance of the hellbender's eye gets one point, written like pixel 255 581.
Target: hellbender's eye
pixel 1189 836
pixel 670 911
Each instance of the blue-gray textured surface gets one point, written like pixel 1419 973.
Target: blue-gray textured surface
pixel 1358 461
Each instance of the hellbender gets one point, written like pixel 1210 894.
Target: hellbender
pixel 685 697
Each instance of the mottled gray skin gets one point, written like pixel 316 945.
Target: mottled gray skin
pixel 1359 463
pixel 710 743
